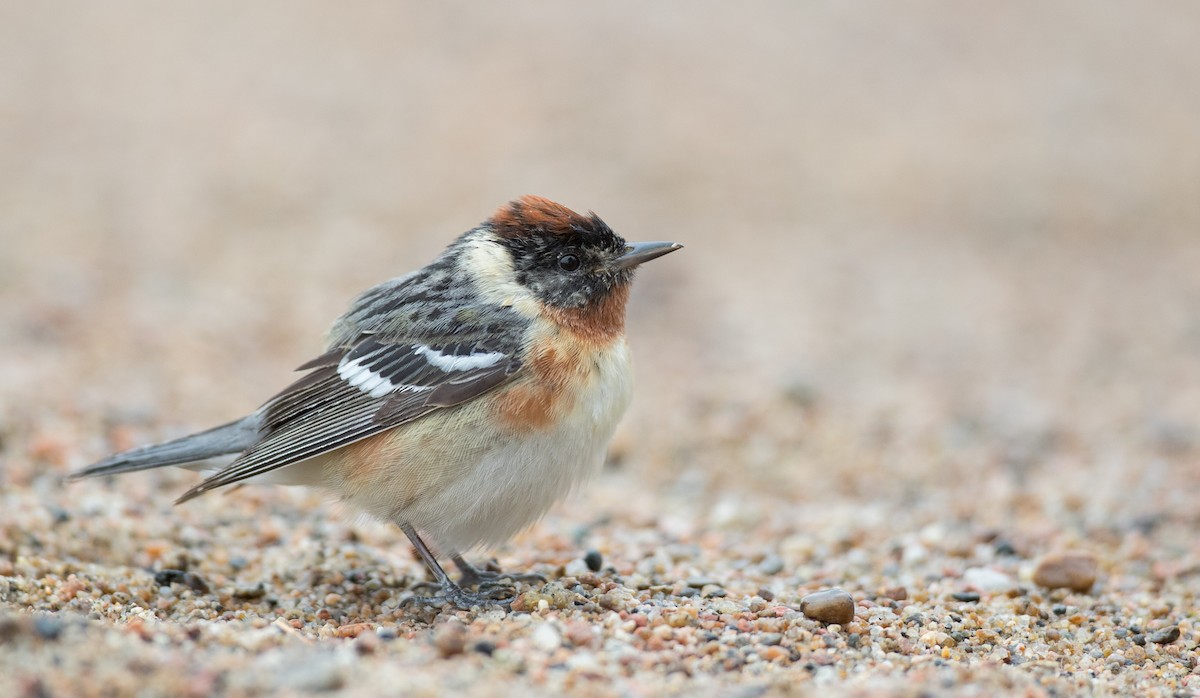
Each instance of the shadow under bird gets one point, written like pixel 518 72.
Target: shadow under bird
pixel 459 401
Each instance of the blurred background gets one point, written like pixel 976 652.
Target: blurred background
pixel 943 259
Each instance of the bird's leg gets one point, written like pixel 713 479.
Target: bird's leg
pixel 448 591
pixel 486 579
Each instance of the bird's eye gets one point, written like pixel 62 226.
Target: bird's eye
pixel 568 262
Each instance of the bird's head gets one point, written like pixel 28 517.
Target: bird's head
pixel 570 265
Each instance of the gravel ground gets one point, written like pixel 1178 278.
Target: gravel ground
pixel 932 353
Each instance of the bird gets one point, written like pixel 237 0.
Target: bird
pixel 459 401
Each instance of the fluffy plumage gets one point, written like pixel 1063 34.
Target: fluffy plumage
pixel 461 400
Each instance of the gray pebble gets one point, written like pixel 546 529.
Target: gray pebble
pixel 1165 636
pixel 49 627
pixel 771 565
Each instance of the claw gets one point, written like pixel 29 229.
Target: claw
pixel 457 597
pixel 484 578
pixel 473 576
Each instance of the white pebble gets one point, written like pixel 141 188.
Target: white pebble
pixel 988 580
pixel 547 638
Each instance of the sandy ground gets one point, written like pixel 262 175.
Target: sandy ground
pixel 938 318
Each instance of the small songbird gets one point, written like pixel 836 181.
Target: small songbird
pixel 459 401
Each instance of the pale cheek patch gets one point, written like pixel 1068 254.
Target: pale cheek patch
pixel 491 267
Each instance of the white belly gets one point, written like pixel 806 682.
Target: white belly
pixel 522 476
pixel 465 480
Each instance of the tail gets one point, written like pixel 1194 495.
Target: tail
pixel 234 437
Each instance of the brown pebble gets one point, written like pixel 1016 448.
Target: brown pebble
pixel 450 639
pixel 366 643
pixel 896 593
pixel 353 629
pixel 1072 570
pixel 44 448
pixel 580 633
pixel 829 606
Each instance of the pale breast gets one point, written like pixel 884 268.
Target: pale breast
pixel 534 461
pixel 479 473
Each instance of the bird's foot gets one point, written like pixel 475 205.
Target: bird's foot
pixel 487 579
pixel 458 597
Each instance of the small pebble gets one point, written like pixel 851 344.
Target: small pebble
pixel 576 568
pixel 771 565
pixel 988 581
pixel 1165 636
pixel 191 580
pixel 450 639
pixel 1072 570
pixel 49 627
pixel 484 647
pixel 593 560
pixel 829 606
pixel 966 596
pixel 366 643
pixel 547 638
pixel 247 591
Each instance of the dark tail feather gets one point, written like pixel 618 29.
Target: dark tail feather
pixel 234 437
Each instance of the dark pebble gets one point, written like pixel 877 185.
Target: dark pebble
pixel 766 595
pixel 250 592
pixel 1059 610
pixel 484 647
pixel 965 596
pixel 593 560
pixel 49 628
pixel 1165 636
pixel 9 628
pixel 1004 548
pixel 165 578
pixel 1139 639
